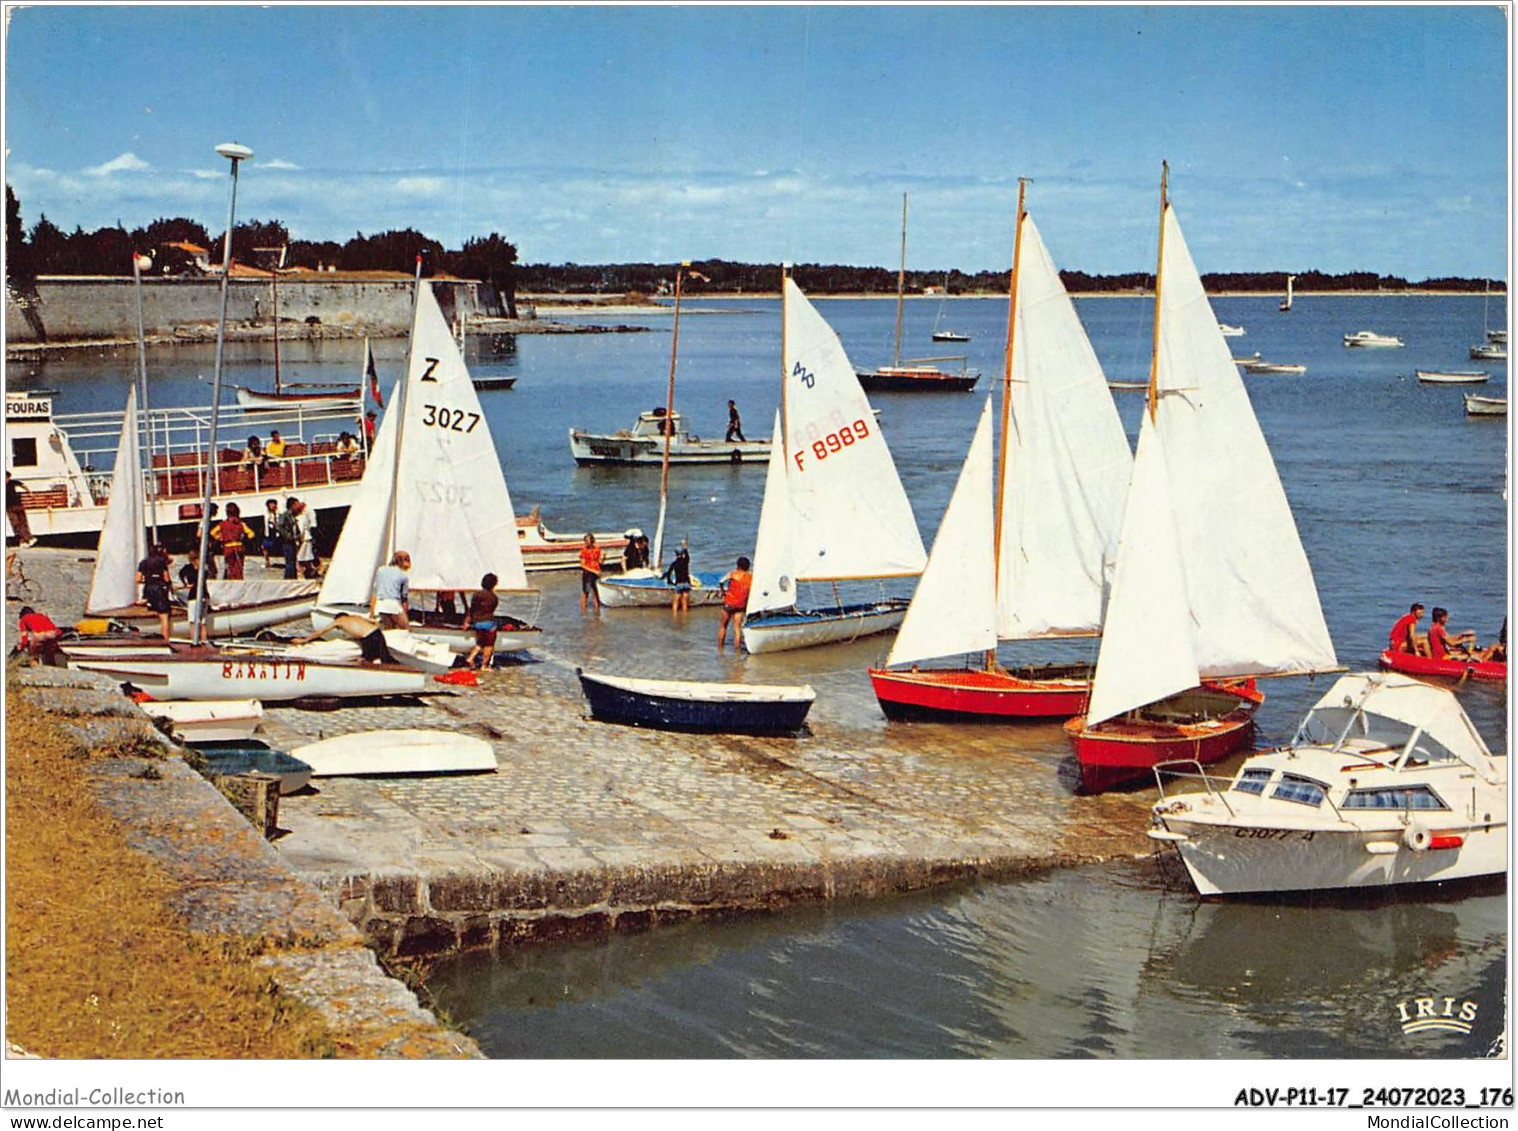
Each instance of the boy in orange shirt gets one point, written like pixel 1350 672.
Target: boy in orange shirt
pixel 590 572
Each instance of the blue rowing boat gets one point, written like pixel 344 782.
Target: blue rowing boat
pixel 665 704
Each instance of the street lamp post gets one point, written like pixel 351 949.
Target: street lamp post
pixel 233 153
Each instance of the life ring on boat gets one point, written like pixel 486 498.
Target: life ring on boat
pixel 1417 838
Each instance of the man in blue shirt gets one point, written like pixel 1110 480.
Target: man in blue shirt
pixel 392 592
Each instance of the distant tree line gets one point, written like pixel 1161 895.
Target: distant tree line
pixel 48 250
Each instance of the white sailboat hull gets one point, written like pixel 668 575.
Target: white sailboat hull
pixel 237 620
pixel 458 640
pixel 1240 860
pixel 262 677
pixel 413 751
pixel 786 631
pixel 593 448
pixel 644 589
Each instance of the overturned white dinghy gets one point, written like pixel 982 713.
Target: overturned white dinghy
pixel 410 751
pixel 209 720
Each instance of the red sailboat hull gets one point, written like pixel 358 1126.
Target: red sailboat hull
pixel 1212 723
pixel 1424 666
pixel 973 695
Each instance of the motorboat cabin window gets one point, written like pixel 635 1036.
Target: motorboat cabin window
pixel 1252 781
pixel 1394 797
pixel 24 451
pixel 1304 791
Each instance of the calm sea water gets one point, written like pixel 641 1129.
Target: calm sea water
pixel 1398 497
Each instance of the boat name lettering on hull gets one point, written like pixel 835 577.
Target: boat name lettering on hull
pixel 1271 834
pixel 264 669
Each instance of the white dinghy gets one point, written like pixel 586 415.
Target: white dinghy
pixel 209 673
pixel 834 509
pixel 210 720
pixel 410 751
pixel 434 488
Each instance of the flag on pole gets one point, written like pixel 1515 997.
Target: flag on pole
pixel 374 389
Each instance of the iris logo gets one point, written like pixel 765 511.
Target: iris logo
pixel 1424 1013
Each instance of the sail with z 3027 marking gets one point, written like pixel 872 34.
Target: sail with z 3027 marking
pixel 842 511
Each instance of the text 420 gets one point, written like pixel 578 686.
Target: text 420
pixel 453 419
pixel 845 437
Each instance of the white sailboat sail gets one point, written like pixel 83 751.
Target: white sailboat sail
pixel 1250 603
pixel 772 586
pixel 948 614
pixel 1068 464
pixel 433 485
pixel 360 549
pixel 453 512
pixel 123 535
pixel 846 514
pixel 1148 649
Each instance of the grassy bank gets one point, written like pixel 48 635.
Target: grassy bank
pixel 98 964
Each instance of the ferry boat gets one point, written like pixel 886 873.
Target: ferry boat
pixel 64 463
pixel 1387 782
pixel 643 444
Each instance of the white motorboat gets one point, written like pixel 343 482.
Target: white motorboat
pixel 643 444
pixel 407 751
pixel 1368 339
pixel 1492 351
pixel 209 673
pixel 1497 336
pixel 435 489
pixel 1387 782
pixel 1270 367
pixel 834 509
pixel 1231 331
pixel 209 720
pixel 544 549
pixel 1451 376
pixel 1477 405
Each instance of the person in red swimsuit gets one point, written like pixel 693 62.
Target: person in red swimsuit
pixel 1404 634
pixel 1444 645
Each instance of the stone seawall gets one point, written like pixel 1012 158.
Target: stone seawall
pixel 96 307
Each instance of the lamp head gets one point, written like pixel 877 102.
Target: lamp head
pixel 234 152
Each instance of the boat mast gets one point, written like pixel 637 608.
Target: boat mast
pixel 1159 274
pixel 142 381
pixel 901 281
pixel 233 153
pixel 400 405
pixel 1006 392
pixel 669 421
pixel 274 283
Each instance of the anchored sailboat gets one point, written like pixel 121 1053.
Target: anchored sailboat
pixel 918 375
pixel 434 488
pixel 1024 557
pixel 287 394
pixel 1211 582
pixel 834 508
pixel 645 586
pixel 1286 302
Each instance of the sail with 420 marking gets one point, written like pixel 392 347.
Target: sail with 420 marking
pixel 1208 533
pixel 433 486
pixel 834 508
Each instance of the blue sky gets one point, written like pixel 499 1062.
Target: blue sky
pixel 1335 138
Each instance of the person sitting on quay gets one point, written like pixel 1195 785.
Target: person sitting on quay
pixel 678 576
pixel 590 572
pixel 1405 636
pixel 38 635
pixel 370 637
pixel 482 607
pixel 231 534
pixel 392 593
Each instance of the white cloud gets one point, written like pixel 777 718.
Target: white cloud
pixel 126 163
pixel 420 186
pixel 279 163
